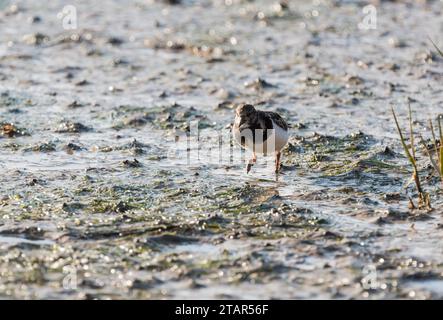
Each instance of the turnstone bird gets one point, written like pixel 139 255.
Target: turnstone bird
pixel 261 132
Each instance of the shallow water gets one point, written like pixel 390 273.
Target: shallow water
pixel 74 201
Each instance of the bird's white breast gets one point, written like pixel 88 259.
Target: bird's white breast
pixel 277 138
pixel 236 131
pixel 281 137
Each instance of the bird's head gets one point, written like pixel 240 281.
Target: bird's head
pixel 245 110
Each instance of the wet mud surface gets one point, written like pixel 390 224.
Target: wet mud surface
pixel 93 205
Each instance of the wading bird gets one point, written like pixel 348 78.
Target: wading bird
pixel 261 132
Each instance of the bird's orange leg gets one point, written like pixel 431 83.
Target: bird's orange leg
pixel 251 162
pixel 277 161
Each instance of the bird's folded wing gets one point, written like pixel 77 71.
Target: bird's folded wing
pixel 278 120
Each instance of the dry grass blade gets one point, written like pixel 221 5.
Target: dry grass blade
pixel 436 48
pixel 410 156
pixel 434 140
pixel 424 198
pixel 440 154
pixel 405 147
pixel 411 134
pixel 438 149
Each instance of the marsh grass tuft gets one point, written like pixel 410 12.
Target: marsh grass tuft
pixel 436 159
pixel 424 200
